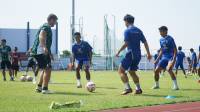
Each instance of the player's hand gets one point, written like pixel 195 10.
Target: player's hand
pixel 117 55
pixel 45 50
pixel 149 57
pixel 52 58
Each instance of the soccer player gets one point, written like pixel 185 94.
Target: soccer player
pixel 166 58
pixel 42 52
pixel 199 64
pixel 132 38
pixel 82 53
pixel 179 61
pixel 32 64
pixel 5 52
pixel 194 61
pixel 15 61
pixel 189 65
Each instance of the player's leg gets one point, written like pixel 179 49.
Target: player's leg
pixel 47 74
pixel 86 65
pixel 8 64
pixel 125 80
pixel 3 67
pixel 79 65
pixel 177 66
pixel 157 77
pixel 183 69
pixel 39 86
pixel 136 81
pixel 199 73
pixel 173 77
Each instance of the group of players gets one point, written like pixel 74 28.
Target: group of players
pixel 167 57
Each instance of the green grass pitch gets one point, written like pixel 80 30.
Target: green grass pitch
pixel 20 96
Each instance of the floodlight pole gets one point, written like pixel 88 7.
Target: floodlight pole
pixel 73 21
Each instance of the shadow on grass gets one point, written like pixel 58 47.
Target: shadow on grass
pixel 158 96
pixel 56 83
pixel 190 89
pixel 107 87
pixel 78 94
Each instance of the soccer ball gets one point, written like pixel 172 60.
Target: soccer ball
pixel 23 78
pixel 29 78
pixel 90 86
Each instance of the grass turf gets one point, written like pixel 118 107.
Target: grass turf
pixel 20 96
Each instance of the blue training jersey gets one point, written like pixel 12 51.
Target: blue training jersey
pixel 180 57
pixel 133 36
pixel 167 46
pixel 81 51
pixel 194 57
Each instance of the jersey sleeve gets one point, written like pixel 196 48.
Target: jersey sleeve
pixel 89 47
pixel 45 28
pixel 173 43
pixel 143 39
pixel 126 36
pixel 9 49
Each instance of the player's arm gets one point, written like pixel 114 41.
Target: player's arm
pixel 73 59
pixel 147 50
pixel 122 48
pixel 42 39
pixel 159 56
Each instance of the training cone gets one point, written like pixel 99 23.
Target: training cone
pixel 170 97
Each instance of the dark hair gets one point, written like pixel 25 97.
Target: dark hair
pixel 188 58
pixel 3 40
pixel 179 48
pixel 52 16
pixel 16 48
pixel 192 50
pixel 129 18
pixel 163 28
pixel 77 34
pixel 158 50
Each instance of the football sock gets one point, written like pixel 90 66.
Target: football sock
pixel 45 88
pixel 137 86
pixel 175 83
pixel 157 84
pixel 127 86
pixel 78 81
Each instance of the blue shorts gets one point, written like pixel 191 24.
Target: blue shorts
pixel 164 62
pixel 194 65
pixel 179 65
pixel 130 62
pixel 83 64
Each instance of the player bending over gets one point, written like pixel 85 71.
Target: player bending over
pixel 179 61
pixel 166 58
pixel 42 52
pixel 194 61
pixel 132 38
pixel 32 64
pixel 15 61
pixel 82 53
pixel 5 52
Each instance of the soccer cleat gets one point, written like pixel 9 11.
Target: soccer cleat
pixel 139 91
pixel 47 92
pixel 175 88
pixel 12 79
pixel 155 87
pixel 127 91
pixel 79 86
pixel 38 89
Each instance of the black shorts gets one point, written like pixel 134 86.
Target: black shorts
pixel 5 64
pixel 15 67
pixel 43 61
pixel 31 63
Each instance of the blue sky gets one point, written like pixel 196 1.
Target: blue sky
pixel 181 16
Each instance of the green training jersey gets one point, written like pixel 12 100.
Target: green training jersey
pixel 4 51
pixel 37 49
